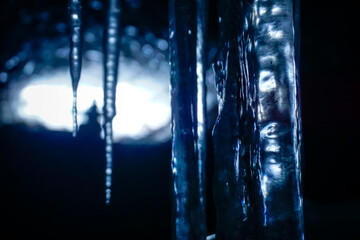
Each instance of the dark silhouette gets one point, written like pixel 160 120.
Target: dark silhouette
pixel 92 128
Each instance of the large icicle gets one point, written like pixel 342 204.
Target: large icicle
pixel 75 54
pixel 277 169
pixel 257 134
pixel 111 63
pixel 187 27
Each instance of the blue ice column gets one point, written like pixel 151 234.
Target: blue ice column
pixel 257 135
pixel 277 169
pixel 232 133
pixel 187 60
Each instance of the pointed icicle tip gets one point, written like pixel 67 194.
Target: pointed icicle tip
pixel 74 112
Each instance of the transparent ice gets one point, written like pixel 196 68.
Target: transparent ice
pixel 111 63
pixel 257 134
pixel 75 53
pixel 187 62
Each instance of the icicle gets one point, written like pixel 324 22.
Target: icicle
pixel 111 64
pixel 187 59
pixel 231 134
pixel 277 169
pixel 201 9
pixel 257 134
pixel 75 54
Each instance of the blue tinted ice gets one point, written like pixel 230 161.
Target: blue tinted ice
pixel 75 53
pixel 187 62
pixel 257 134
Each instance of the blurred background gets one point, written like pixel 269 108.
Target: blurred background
pixel 53 185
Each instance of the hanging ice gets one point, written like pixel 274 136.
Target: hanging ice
pixel 187 59
pixel 257 134
pixel 232 133
pixel 111 63
pixel 75 54
pixel 277 168
pixel 201 142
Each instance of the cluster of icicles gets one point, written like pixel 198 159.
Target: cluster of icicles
pixel 111 63
pixel 257 134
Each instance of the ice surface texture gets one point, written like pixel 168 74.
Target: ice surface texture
pixel 187 59
pixel 257 134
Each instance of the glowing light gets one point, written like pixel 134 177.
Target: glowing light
pixel 142 100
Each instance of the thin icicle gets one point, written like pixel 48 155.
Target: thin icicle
pixel 201 9
pixel 111 62
pixel 187 62
pixel 109 159
pixel 75 54
pixel 74 113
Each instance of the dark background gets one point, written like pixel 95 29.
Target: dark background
pixel 52 185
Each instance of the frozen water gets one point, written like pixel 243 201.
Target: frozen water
pixel 187 60
pixel 201 108
pixel 257 134
pixel 231 134
pixel 111 62
pixel 75 54
pixel 277 169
